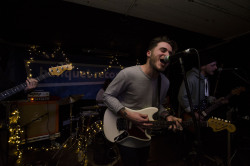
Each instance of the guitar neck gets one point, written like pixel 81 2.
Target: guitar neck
pixel 9 92
pixel 217 105
pixel 190 123
pixel 161 124
pixel 165 124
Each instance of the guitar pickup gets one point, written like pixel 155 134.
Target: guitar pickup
pixel 121 124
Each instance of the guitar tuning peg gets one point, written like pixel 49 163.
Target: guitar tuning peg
pixel 215 117
pixel 226 120
pixel 219 118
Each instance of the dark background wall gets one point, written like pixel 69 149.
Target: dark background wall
pixel 93 36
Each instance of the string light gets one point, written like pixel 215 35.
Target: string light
pixel 59 53
pixel 15 133
pixel 86 137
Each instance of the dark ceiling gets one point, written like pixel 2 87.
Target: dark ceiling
pixel 82 30
pixel 85 29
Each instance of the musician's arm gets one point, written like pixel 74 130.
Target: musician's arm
pixel 122 112
pixel 112 93
pixel 134 116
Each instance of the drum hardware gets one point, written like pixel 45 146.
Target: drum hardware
pixel 70 100
pixel 86 122
pixel 82 137
pixel 67 122
pixel 89 113
pixel 94 107
pixel 82 147
pixel 86 137
pixel 78 143
pixel 104 152
pixel 71 118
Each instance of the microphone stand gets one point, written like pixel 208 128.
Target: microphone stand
pixel 195 122
pixel 217 82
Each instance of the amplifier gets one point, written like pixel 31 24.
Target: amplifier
pixel 39 120
pixel 38 96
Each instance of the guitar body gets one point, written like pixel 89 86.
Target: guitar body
pixel 128 130
pixel 187 117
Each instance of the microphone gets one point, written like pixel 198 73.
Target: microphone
pixel 226 69
pixel 177 55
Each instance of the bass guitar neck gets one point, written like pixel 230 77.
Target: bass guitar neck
pixel 52 71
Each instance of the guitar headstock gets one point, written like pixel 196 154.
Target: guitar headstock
pixel 218 124
pixel 60 69
pixel 237 91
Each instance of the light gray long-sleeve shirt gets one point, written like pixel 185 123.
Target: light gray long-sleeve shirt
pixel 133 89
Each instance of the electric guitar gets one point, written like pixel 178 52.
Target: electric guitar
pixel 204 112
pixel 117 128
pixel 52 71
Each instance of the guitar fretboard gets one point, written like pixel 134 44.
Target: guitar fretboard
pixel 7 93
pixel 165 124
pixel 212 107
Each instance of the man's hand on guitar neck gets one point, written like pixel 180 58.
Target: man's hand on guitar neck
pixel 212 100
pixel 222 100
pixel 177 121
pixel 31 84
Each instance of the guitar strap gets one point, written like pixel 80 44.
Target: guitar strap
pixel 159 90
pixel 156 96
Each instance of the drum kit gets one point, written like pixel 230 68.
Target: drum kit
pixel 84 139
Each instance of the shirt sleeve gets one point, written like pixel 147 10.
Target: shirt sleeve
pixel 115 88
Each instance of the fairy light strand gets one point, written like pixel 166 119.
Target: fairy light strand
pixel 34 51
pixel 15 134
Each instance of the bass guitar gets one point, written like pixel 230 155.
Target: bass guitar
pixel 117 128
pixel 54 71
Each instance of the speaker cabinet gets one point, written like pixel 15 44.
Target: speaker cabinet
pixel 39 120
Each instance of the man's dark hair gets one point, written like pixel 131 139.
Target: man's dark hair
pixel 153 43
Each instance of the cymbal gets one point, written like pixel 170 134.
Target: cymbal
pixel 89 113
pixel 69 100
pixel 90 107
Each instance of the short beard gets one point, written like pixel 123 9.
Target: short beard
pixel 152 62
